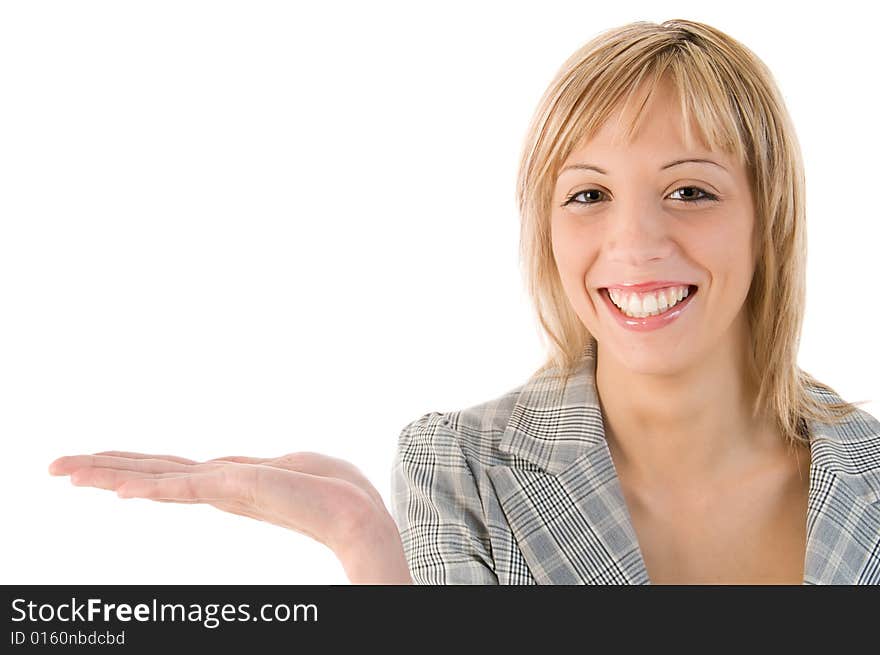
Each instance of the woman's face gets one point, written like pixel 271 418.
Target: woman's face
pixel 646 219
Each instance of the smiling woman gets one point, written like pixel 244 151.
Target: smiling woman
pixel 670 437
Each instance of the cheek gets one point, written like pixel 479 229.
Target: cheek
pixel 571 238
pixel 575 252
pixel 725 252
pixel 572 250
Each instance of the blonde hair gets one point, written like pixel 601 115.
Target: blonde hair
pixel 733 99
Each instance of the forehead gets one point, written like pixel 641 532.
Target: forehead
pixel 647 123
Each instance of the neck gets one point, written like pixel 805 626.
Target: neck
pixel 694 425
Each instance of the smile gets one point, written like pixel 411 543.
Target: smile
pixel 649 311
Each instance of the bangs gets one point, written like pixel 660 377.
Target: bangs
pixel 710 117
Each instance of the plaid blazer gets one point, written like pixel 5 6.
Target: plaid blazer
pixel 522 490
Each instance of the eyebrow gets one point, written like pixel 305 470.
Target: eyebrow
pixel 592 167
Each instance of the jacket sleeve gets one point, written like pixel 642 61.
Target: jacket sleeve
pixel 437 507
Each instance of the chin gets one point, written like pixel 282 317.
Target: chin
pixel 647 357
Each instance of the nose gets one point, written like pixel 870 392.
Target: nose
pixel 637 232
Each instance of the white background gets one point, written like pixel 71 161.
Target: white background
pixel 262 227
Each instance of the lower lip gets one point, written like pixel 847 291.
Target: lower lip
pixel 649 322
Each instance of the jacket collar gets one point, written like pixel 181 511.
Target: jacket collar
pixel 555 437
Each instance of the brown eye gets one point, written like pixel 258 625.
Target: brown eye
pixel 692 195
pixel 588 192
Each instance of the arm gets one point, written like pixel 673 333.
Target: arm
pixel 436 505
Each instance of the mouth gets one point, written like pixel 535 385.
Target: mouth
pixel 658 312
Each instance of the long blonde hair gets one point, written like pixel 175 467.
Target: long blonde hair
pixel 733 99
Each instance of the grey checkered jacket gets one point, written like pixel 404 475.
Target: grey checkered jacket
pixel 522 490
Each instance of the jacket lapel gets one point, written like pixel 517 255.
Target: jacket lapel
pixel 562 497
pixel 560 492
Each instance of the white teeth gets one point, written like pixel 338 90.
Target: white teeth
pixel 663 302
pixel 634 305
pixel 647 304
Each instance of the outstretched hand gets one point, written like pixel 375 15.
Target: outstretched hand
pixel 325 498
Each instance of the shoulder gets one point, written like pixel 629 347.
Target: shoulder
pixel 848 447
pixel 858 426
pixel 474 431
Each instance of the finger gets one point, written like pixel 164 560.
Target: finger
pixel 198 487
pixel 304 462
pixel 124 453
pixel 241 459
pixel 110 479
pixel 68 464
pixel 315 464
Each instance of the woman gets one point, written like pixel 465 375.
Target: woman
pixel 671 436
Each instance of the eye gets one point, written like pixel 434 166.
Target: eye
pixel 571 198
pixel 693 196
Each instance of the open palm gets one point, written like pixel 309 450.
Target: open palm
pixel 325 498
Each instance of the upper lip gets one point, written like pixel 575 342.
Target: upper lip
pixel 649 286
